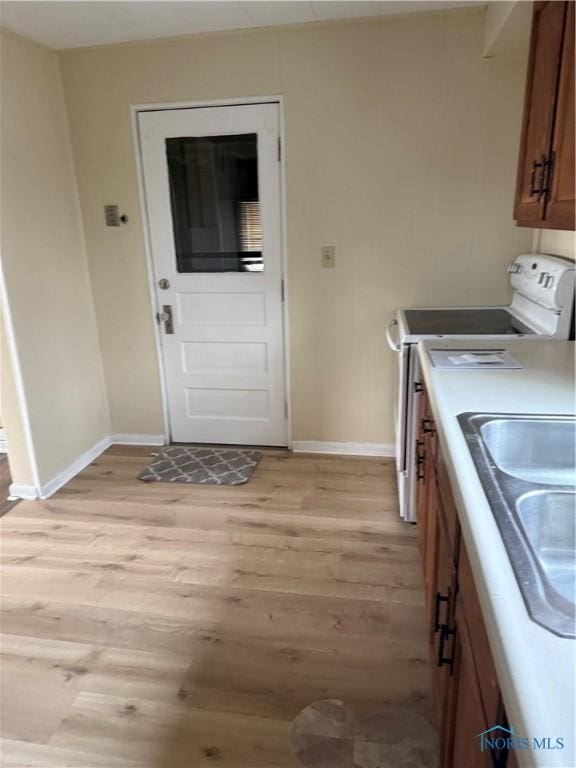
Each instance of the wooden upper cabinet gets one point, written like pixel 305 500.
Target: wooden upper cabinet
pixel 560 208
pixel 545 194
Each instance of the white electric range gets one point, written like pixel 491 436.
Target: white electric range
pixel 542 307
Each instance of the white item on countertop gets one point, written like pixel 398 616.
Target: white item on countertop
pixel 472 359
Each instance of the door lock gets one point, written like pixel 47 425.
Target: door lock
pixel 166 317
pixel 164 284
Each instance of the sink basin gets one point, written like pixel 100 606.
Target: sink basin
pixel 535 450
pixel 527 467
pixel 548 518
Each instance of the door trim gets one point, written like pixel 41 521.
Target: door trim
pixel 21 398
pixel 135 110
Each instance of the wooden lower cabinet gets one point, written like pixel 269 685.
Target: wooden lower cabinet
pixel 465 717
pixel 512 762
pixel 466 690
pixel 425 456
pixel 441 618
pixel 426 501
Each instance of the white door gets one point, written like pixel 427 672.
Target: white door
pixel 212 185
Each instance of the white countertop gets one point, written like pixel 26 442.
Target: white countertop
pixel 536 668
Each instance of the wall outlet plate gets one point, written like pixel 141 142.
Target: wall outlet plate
pixel 112 215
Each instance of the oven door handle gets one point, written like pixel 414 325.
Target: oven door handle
pixel 393 344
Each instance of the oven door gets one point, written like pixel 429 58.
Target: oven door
pixel 401 410
pixel 406 355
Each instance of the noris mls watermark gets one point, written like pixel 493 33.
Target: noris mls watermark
pixel 501 737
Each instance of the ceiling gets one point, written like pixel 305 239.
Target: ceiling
pixel 99 22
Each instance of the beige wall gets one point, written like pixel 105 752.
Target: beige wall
pixel 401 148
pixel 555 242
pixel 507 30
pixel 44 263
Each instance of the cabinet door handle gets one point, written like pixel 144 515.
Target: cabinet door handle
pixel 533 189
pixel 546 176
pixel 437 600
pixel 420 459
pixel 542 178
pixel 428 426
pixel 544 169
pixel 446 631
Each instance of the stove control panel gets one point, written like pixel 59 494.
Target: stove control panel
pixel 547 280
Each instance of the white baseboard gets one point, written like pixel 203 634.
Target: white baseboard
pixel 55 483
pixel 25 492
pixel 344 449
pixel 46 490
pixel 135 439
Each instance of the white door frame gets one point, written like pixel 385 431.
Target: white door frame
pixel 160 106
pixel 35 489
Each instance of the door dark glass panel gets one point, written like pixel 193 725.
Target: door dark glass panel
pixel 215 203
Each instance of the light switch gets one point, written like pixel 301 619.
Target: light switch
pixel 328 256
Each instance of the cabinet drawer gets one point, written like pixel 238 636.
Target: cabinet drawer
pixel 480 644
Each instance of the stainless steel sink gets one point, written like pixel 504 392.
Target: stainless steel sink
pixel 536 450
pixel 547 518
pixel 527 466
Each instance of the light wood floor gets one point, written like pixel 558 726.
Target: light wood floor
pixel 159 625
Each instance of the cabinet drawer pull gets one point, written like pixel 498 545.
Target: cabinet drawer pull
pixel 437 600
pixel 445 632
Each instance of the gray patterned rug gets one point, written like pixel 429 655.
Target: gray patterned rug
pixel 201 466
